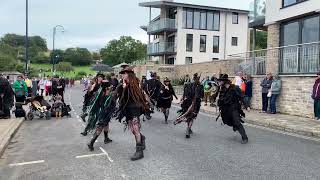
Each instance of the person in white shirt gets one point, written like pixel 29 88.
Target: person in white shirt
pixel 42 85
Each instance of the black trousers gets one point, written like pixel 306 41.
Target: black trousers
pixel 265 101
pixel 20 99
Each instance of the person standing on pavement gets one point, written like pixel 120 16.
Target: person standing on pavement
pixel 265 87
pixel 230 99
pixel 165 98
pixel 48 85
pixel 190 103
pixel 29 85
pixel 42 85
pixel 132 104
pixel 20 89
pixel 248 93
pixel 316 97
pixel 207 85
pixel 6 98
pixel 275 91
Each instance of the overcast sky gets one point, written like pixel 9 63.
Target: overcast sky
pixel 88 23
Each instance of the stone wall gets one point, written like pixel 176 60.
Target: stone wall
pixel 295 97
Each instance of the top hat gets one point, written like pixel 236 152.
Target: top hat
pixel 223 77
pixel 127 69
pixel 166 80
pixel 196 76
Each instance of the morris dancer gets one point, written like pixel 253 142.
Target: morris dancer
pixel 165 98
pixel 132 104
pixel 153 86
pixel 191 103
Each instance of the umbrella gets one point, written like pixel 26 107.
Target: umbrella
pixel 101 68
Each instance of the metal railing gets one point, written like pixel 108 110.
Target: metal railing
pixel 164 23
pixel 161 47
pixel 293 59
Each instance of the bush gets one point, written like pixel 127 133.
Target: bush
pixel 81 73
pixel 64 67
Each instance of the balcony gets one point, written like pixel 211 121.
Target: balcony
pixel 161 48
pixel 157 27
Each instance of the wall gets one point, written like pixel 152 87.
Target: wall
pixel 274 12
pixel 233 30
pixel 295 97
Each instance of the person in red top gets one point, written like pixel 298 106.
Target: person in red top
pixel 316 97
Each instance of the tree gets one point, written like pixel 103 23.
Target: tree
pixel 78 56
pixel 64 67
pixel 15 40
pixel 41 58
pixel 57 55
pixel 7 63
pixel 261 40
pixel 96 56
pixel 126 49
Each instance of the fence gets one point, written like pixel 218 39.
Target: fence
pixel 293 59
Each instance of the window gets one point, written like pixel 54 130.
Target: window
pixel 196 19
pixel 170 61
pixel 310 30
pixel 235 18
pixel 203 42
pixel 215 59
pixel 203 20
pixel 234 41
pixel 189 42
pixel 215 44
pixel 210 21
pixel 188 60
pixel 286 3
pixel 216 21
pixel 189 18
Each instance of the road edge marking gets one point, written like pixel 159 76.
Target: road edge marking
pixel 26 163
pixel 105 152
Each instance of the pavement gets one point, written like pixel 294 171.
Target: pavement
pixel 55 150
pixel 287 123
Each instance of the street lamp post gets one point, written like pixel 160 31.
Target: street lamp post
pixel 53 41
pixel 26 42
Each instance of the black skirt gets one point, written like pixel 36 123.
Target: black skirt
pixel 164 103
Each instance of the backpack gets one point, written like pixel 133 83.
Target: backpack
pixel 19 112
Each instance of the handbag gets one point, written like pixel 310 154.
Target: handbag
pixel 269 94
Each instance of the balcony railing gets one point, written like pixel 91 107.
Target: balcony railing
pixel 293 59
pixel 162 24
pixel 161 48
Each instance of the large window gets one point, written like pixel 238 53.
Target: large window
pixel 235 18
pixel 188 60
pixel 215 44
pixel 196 19
pixel 203 43
pixel 189 18
pixel 189 42
pixel 291 2
pixel 205 20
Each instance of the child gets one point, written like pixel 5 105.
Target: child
pixel 57 106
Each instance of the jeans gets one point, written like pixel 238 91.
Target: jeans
pixel 264 102
pixel 317 108
pixel 273 106
pixel 247 102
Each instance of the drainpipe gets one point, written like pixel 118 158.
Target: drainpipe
pixel 225 35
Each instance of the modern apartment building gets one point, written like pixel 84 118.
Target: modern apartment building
pixel 188 33
pixel 293 34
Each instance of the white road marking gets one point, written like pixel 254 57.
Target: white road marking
pixel 104 151
pixel 124 177
pixel 26 163
pixel 90 155
pixel 78 116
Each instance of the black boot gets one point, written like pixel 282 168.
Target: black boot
pixel 188 133
pixel 106 138
pixel 83 117
pixel 94 138
pixel 165 118
pixel 138 154
pixel 243 135
pixel 143 142
pixel 84 133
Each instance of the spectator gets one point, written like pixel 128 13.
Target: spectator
pixel 29 85
pixel 248 92
pixel 207 90
pixel 6 98
pixel 316 97
pixel 67 82
pixel 275 91
pixel 34 87
pixel 238 79
pixel 42 85
pixel 265 87
pixel 20 89
pixel 48 86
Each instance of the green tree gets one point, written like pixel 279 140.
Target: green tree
pixel 7 63
pixel 41 58
pixel 64 67
pixel 78 56
pixel 126 49
pixel 58 55
pixel 96 56
pixel 261 40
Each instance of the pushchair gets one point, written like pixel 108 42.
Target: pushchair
pixel 38 107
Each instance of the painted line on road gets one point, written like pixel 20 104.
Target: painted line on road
pixel 105 152
pixel 90 155
pixel 124 177
pixel 26 163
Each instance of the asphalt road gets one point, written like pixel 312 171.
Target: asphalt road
pixel 55 150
